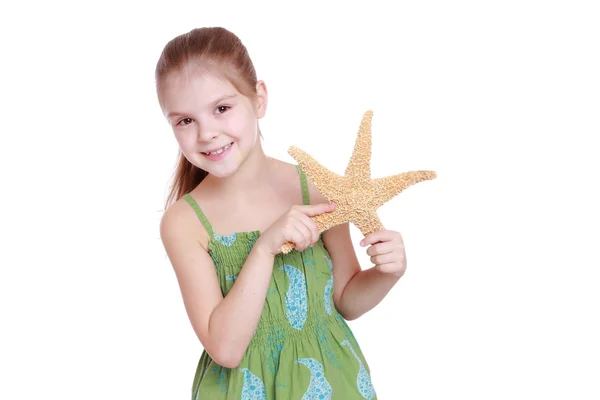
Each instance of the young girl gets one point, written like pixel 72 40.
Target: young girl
pixel 272 325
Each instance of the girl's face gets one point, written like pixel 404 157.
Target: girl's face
pixel 215 126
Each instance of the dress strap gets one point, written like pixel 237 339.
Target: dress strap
pixel 305 196
pixel 200 214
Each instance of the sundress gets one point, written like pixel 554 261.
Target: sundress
pixel 302 348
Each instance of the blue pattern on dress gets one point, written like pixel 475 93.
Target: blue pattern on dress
pixel 254 388
pixel 226 240
pixel 308 258
pixel 318 388
pixel 296 305
pixel 275 340
pixel 324 335
pixel 221 375
pixel 363 380
pixel 347 331
pixel 328 289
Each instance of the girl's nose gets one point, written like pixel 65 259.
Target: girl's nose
pixel 207 133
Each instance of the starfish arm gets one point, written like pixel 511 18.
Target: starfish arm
pixel 367 222
pixel 387 188
pixel 323 178
pixel 324 222
pixel 359 164
pixel 329 220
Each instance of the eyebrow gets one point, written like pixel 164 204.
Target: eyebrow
pixel 214 103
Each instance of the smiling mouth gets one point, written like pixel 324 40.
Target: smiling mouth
pixel 217 152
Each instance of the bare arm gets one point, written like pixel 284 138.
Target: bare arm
pixel 224 325
pixel 235 319
pixel 355 291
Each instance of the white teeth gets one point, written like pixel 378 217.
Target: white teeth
pixel 222 149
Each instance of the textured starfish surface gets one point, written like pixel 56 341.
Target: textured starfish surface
pixel 356 195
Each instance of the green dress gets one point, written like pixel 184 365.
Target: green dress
pixel 302 348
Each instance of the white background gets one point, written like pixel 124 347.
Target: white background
pixel 500 299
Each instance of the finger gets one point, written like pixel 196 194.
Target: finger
pixel 303 234
pixel 312 227
pixel 382 259
pixel 380 248
pixel 383 235
pixel 306 231
pixel 316 209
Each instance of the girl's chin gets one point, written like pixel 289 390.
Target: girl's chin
pixel 222 171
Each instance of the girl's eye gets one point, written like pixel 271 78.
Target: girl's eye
pixel 222 109
pixel 187 121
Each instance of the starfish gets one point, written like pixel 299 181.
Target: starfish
pixel 356 195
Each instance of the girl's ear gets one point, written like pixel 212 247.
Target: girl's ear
pixel 261 99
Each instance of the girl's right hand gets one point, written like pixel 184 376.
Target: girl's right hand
pixel 294 226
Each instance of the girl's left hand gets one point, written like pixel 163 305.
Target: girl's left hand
pixel 386 251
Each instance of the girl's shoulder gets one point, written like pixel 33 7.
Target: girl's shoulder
pixel 179 219
pixel 290 171
pixel 315 196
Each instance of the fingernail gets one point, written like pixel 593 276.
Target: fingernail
pixel 362 242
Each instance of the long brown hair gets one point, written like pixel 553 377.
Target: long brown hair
pixel 211 46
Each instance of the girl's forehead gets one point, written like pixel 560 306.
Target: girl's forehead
pixel 195 79
pixel 183 93
pixel 182 87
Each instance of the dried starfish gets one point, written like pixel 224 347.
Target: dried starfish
pixel 356 195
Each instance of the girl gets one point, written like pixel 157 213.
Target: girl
pixel 272 325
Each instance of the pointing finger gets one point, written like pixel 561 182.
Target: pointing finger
pixel 316 209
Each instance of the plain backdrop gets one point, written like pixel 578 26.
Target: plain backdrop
pixel 500 299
